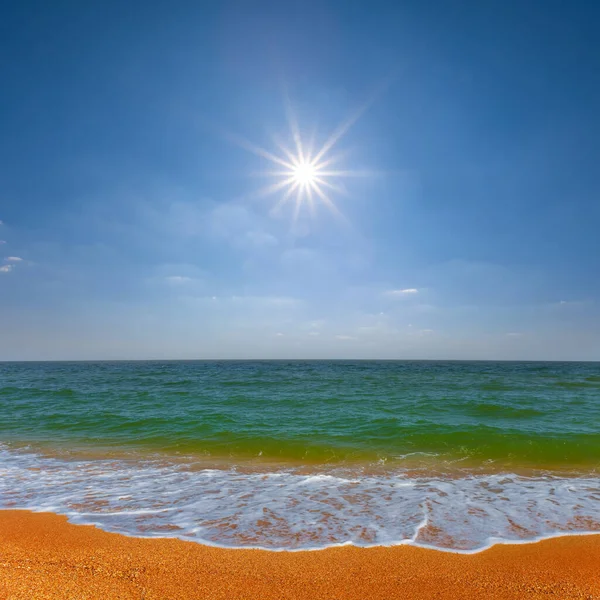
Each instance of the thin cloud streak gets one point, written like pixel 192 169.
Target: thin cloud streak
pixel 402 293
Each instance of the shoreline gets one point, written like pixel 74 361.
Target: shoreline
pixel 409 543
pixel 370 511
pixel 42 555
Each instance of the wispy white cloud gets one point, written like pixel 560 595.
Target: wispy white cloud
pixel 13 259
pixel 345 337
pixel 177 279
pixel 179 275
pixel 404 293
pixel 566 304
pixel 6 268
pixel 514 334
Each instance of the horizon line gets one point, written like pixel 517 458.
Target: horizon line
pixel 115 360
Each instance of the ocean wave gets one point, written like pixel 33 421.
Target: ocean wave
pixel 290 509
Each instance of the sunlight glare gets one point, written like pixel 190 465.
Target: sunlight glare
pixel 305 173
pixel 305 177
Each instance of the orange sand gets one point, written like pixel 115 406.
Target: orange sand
pixel 43 556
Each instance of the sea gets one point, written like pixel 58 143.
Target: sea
pixel 297 455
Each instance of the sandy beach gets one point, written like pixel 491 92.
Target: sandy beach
pixel 44 556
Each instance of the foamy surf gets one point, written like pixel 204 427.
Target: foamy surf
pixel 290 510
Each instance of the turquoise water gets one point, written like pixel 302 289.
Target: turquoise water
pixel 296 454
pixel 518 413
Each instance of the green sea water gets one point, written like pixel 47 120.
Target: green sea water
pixel 307 454
pixel 521 414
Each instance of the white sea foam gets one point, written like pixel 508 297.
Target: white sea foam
pixel 289 510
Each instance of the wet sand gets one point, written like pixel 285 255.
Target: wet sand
pixel 43 556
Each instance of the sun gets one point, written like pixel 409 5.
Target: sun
pixel 305 174
pixel 304 177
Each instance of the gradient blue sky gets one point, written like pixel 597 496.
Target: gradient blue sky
pixel 477 234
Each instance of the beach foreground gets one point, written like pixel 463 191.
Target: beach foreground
pixel 44 556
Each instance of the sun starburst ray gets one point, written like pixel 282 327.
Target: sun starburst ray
pixel 286 174
pixel 271 189
pixel 285 197
pixel 336 158
pixel 310 147
pixel 310 201
pixel 332 186
pixel 295 130
pixel 337 134
pixel 329 203
pixel 258 151
pixel 291 157
pixel 344 127
pixel 297 205
pixel 346 173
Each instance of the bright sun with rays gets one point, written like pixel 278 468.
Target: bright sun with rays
pixel 305 174
pixel 304 177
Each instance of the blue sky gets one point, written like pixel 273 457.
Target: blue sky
pixel 131 226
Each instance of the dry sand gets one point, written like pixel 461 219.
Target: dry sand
pixel 43 556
